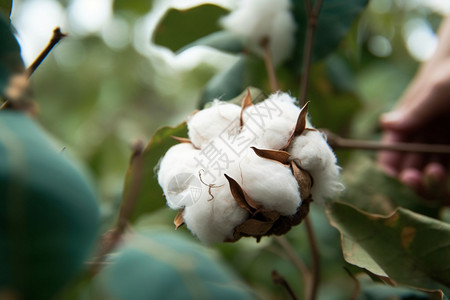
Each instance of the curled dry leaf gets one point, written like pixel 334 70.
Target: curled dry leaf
pixel 181 139
pixel 179 221
pixel 246 102
pixel 278 155
pixel 300 126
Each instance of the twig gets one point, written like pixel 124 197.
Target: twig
pixel 357 288
pixel 56 37
pixel 265 42
pixel 112 238
pixel 338 142
pixel 278 279
pixel 292 255
pixel 312 16
pixel 314 285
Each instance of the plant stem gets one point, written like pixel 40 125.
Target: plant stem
pixel 314 285
pixel 269 65
pixel 312 16
pixel 112 238
pixel 357 288
pixel 338 142
pixel 277 278
pixel 56 37
pixel 292 255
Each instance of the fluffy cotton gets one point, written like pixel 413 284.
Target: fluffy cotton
pixel 179 159
pixel 272 120
pixel 220 145
pixel 270 184
pixel 213 219
pixel 315 156
pixel 210 122
pixel 254 20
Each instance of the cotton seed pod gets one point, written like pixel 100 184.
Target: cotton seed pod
pixel 254 172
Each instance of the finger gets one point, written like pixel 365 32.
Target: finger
pixel 391 161
pixel 412 177
pixel 411 170
pixel 435 172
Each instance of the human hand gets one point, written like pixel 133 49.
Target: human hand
pixel 422 116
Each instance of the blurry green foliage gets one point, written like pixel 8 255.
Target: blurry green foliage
pixel 335 20
pixel 187 25
pixel 160 264
pixel 137 6
pixel 220 40
pixel 225 85
pixel 5 7
pixel 48 211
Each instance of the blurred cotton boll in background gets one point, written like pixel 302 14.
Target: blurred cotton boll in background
pixel 255 20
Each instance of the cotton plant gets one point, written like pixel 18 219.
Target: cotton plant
pixel 264 23
pixel 248 171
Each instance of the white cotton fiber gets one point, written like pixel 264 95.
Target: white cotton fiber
pixel 273 120
pixel 254 20
pixel 270 184
pixel 213 219
pixel 177 161
pixel 210 122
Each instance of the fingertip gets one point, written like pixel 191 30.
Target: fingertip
pixel 436 172
pixel 411 177
pixel 391 119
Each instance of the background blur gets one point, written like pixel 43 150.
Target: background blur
pixel 107 84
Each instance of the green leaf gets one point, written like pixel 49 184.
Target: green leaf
pixel 410 248
pixel 150 194
pixel 226 84
pixel 10 59
pixel 137 6
pixel 335 19
pixel 384 193
pixel 378 291
pixel 6 7
pixel 182 27
pixel 221 40
pixel 49 213
pixel 160 264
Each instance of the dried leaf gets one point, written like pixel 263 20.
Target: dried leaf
pixel 301 120
pixel 267 215
pixel 278 155
pixel 179 221
pixel 300 127
pixel 304 180
pixel 238 194
pixel 181 139
pixel 246 102
pixel 253 227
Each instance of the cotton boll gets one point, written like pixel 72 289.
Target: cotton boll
pixel 213 220
pixel 316 157
pixel 210 122
pixel 255 20
pixel 270 183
